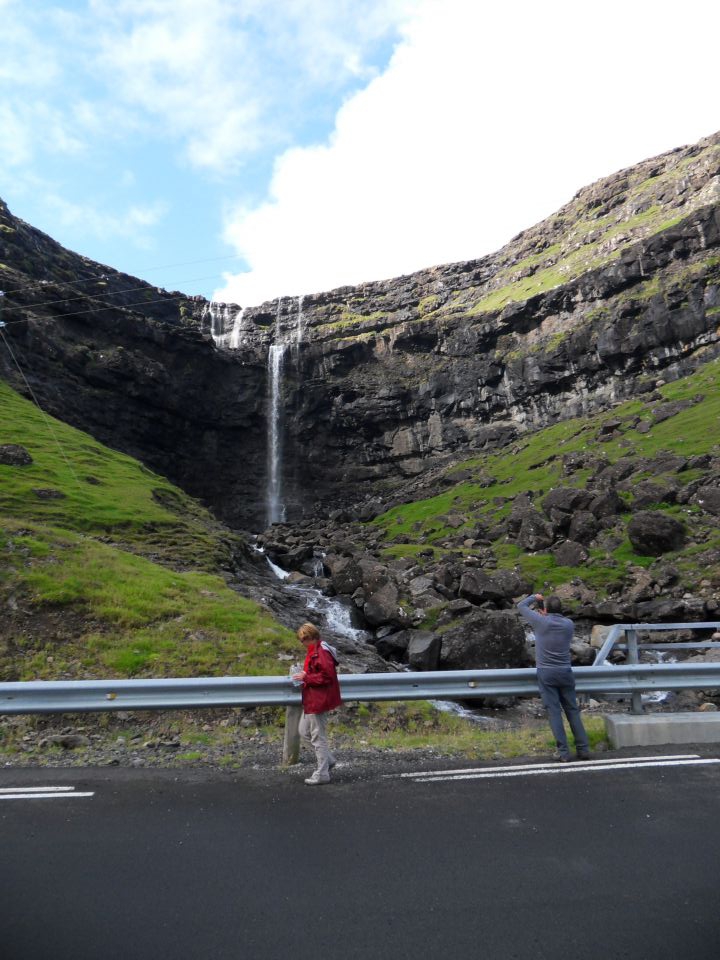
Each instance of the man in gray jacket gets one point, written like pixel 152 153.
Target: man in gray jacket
pixel 553 636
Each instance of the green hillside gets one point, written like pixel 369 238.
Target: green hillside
pixel 107 569
pixel 668 440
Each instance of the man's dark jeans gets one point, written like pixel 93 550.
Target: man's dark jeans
pixel 557 689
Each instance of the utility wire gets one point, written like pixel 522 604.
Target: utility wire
pixel 109 293
pixel 37 404
pixel 102 306
pixel 120 273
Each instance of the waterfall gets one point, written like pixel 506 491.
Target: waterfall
pixel 300 320
pixel 224 326
pixel 276 508
pixel 276 360
pixel 234 341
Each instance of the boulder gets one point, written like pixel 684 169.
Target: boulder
pixel 484 640
pixel 374 575
pixel 297 556
pixel 647 493
pixel 511 583
pixel 480 587
pixel 419 586
pixel 608 503
pixel 598 635
pixel 535 533
pixel 48 493
pixel 708 498
pixel 383 606
pixel 566 499
pixel 654 611
pixel 582 653
pixel 583 527
pixel 345 572
pixel 423 650
pixel 458 608
pixel 653 533
pixel 642 588
pixel 13 455
pixel 393 646
pixel 569 554
pixel 521 507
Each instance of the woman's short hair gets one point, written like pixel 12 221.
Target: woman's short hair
pixel 308 631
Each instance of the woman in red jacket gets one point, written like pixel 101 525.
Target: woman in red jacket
pixel 320 694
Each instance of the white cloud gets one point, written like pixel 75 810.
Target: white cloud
pixel 227 76
pixel 134 224
pixel 220 78
pixel 29 128
pixel 487 119
pixel 26 61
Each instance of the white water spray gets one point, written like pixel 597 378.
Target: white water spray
pixel 224 324
pixel 336 615
pixel 276 508
pixel 300 322
pixel 234 340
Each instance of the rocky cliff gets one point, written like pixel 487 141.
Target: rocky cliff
pixel 388 380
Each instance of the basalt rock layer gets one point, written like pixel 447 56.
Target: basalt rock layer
pixel 387 380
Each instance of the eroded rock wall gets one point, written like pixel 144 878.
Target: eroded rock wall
pixel 386 380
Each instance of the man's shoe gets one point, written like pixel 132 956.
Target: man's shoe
pixel 316 781
pixel 561 757
pixel 583 755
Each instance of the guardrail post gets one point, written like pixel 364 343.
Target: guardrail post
pixel 291 743
pixel 633 657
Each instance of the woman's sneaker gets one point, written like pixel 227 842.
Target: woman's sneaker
pixel 314 781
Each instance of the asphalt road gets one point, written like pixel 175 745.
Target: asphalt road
pixel 587 864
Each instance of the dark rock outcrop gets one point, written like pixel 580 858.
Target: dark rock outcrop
pixel 483 641
pixel 653 533
pixel 13 455
pixel 386 380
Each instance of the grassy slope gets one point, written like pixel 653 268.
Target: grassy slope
pixel 87 601
pixel 121 575
pixel 535 464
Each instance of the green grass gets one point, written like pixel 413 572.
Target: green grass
pixel 103 492
pixel 419 725
pixel 533 464
pixel 83 568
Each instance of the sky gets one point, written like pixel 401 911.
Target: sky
pixel 249 149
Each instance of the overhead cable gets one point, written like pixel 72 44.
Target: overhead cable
pixel 109 293
pixel 121 273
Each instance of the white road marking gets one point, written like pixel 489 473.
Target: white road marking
pixel 34 789
pixel 41 793
pixel 560 769
pixel 552 765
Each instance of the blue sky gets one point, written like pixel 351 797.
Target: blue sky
pixel 258 148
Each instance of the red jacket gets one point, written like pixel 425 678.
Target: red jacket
pixel 321 690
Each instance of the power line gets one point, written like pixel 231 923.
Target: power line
pixel 120 273
pixel 37 404
pixel 109 293
pixel 103 306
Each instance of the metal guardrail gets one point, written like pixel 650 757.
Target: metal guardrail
pixel 631 630
pixel 632 647
pixel 78 696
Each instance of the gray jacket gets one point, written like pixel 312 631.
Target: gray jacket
pixel 553 634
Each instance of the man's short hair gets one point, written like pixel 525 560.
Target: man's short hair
pixel 553 605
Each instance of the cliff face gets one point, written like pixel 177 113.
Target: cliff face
pixel 384 381
pixel 127 362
